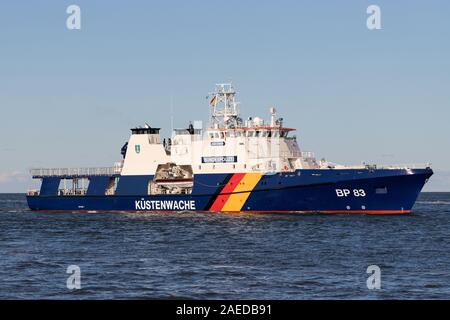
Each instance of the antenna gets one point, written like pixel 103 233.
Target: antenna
pixel 273 116
pixel 171 112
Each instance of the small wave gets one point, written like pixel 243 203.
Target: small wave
pixel 13 211
pixel 435 202
pixel 433 285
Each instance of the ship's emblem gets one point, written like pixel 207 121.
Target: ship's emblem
pixel 137 148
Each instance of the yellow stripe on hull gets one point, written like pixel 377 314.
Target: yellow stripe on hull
pixel 242 192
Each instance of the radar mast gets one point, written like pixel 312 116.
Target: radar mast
pixel 224 108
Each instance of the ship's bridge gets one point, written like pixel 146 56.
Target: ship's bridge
pixel 231 144
pixel 256 132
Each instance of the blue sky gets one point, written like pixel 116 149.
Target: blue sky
pixel 68 98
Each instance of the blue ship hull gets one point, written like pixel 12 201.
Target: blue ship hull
pixel 367 191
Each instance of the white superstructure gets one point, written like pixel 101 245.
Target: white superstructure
pixel 229 144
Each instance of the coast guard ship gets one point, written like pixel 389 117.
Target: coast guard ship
pixel 232 165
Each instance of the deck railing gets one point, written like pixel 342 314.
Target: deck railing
pixel 75 172
pixel 392 167
pixel 405 166
pixel 307 155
